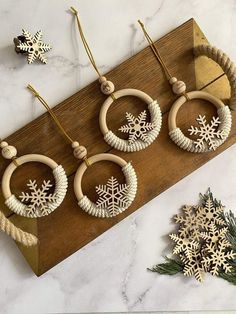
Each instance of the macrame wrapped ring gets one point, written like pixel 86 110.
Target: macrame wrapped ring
pixel 41 204
pixel 152 128
pixel 211 139
pixel 114 198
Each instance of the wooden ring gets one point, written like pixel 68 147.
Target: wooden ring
pixel 124 145
pixel 192 95
pixel 60 186
pixel 188 144
pixel 89 206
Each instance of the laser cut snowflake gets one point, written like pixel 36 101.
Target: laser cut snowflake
pixel 34 46
pixel 210 213
pixel 207 133
pixel 112 196
pixel 38 200
pixel 190 224
pixel 193 266
pixel 219 257
pixel 137 127
pixel 214 234
pixel 184 245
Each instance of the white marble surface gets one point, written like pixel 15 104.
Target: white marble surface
pixel 110 273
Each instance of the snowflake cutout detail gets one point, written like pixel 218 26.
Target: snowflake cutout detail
pixel 193 266
pixel 190 224
pixel 210 213
pixel 34 46
pixel 113 196
pixel 219 257
pixel 214 234
pixel 184 245
pixel 137 127
pixel 208 133
pixel 39 200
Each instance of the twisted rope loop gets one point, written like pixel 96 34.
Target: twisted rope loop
pixel 225 63
pixel 25 238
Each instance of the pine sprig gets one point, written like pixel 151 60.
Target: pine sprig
pixel 170 267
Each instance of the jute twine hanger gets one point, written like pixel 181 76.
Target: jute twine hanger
pixel 80 152
pixel 144 133
pixel 177 88
pixel 107 87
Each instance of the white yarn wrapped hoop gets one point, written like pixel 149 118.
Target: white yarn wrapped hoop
pixel 90 207
pixel 186 143
pixel 124 145
pixel 225 63
pixel 59 192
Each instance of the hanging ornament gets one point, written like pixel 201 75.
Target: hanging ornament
pixel 209 136
pixel 141 132
pixel 39 203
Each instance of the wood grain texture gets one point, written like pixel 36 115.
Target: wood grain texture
pixel 158 167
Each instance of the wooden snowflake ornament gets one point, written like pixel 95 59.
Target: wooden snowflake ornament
pixel 208 133
pixel 141 133
pixel 38 202
pixel 38 199
pixel 112 196
pixel 32 45
pixel 137 127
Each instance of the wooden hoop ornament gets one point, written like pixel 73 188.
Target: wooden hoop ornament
pixel 188 144
pixel 14 204
pixel 124 145
pixel 100 211
pixel 210 136
pixel 141 133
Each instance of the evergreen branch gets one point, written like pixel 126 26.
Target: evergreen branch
pixel 170 267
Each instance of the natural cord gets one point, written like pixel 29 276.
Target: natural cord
pixel 85 43
pixel 52 114
pixel 155 51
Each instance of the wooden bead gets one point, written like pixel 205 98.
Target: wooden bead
pixel 107 87
pixel 3 144
pixel 179 87
pixel 80 152
pixel 9 152
pixel 102 79
pixel 75 144
pixel 172 80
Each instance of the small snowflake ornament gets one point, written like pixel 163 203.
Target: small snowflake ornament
pixel 210 213
pixel 38 200
pixel 214 234
pixel 113 196
pixel 190 224
pixel 208 133
pixel 33 46
pixel 184 245
pixel 218 257
pixel 193 266
pixel 137 127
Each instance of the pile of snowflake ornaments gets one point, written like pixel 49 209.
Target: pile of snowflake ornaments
pixel 204 242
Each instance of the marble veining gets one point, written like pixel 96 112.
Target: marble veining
pixel 110 274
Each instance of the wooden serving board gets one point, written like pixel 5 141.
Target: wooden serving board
pixel 158 167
